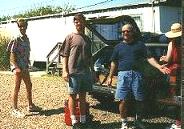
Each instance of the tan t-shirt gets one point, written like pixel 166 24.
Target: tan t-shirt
pixel 77 48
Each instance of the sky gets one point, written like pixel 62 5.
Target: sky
pixel 12 7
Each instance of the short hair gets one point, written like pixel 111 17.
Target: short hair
pixel 79 16
pixel 136 32
pixel 22 20
pixel 130 26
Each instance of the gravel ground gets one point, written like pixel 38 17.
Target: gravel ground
pixel 50 93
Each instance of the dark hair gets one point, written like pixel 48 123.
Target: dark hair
pixel 177 40
pixel 79 16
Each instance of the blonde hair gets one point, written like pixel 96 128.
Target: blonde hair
pixel 19 20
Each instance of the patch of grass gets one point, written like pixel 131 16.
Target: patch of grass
pixel 4 55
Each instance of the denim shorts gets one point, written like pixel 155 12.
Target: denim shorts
pixel 80 83
pixel 129 83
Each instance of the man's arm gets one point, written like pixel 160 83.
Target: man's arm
pixel 13 62
pixel 10 48
pixel 112 70
pixel 13 59
pixel 155 64
pixel 65 73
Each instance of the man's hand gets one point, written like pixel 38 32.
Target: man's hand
pixel 65 76
pixel 16 70
pixel 164 69
pixel 163 58
pixel 109 81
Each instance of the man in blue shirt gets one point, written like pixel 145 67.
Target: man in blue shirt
pixel 127 56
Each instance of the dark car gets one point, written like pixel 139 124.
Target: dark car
pixel 105 34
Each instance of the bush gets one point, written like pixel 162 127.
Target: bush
pixel 4 55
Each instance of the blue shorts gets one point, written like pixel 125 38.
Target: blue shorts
pixel 80 83
pixel 129 82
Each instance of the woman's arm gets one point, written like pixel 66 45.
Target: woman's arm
pixel 167 58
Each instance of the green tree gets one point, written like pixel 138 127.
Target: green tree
pixel 4 18
pixel 41 11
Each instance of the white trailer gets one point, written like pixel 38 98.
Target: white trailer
pixel 46 31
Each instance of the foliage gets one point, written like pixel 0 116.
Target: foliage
pixel 4 18
pixel 44 11
pixel 40 12
pixel 4 56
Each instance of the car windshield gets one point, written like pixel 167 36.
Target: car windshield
pixel 105 31
pixel 108 31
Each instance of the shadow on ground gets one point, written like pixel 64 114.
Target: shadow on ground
pixel 110 107
pixel 113 107
pixel 52 111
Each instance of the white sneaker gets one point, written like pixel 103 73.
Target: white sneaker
pixel 124 125
pixel 174 126
pixel 34 108
pixel 16 113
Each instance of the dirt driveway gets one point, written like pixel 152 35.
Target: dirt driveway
pixel 50 93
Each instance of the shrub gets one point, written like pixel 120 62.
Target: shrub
pixel 4 55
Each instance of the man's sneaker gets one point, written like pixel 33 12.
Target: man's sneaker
pixel 84 125
pixel 174 126
pixel 139 124
pixel 124 125
pixel 34 108
pixel 76 126
pixel 131 127
pixel 16 113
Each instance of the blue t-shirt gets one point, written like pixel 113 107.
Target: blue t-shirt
pixel 129 56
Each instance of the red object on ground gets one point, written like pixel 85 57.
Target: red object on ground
pixel 77 112
pixel 178 122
